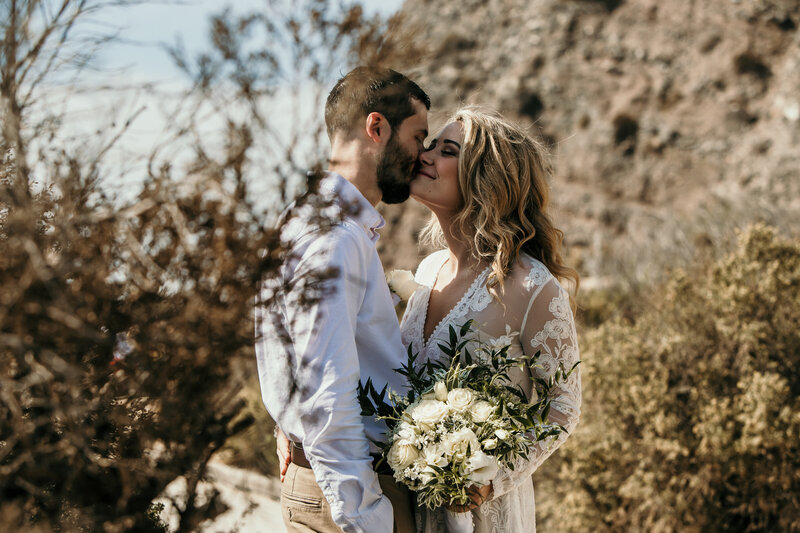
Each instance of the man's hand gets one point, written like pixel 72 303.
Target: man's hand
pixel 284 452
pixel 478 497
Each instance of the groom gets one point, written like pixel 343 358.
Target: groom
pixel 377 122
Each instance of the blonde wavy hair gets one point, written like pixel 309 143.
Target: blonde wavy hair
pixel 502 176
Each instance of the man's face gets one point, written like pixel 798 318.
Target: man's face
pixel 397 163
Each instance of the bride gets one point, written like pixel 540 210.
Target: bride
pixel 484 180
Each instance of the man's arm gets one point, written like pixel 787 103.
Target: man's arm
pixel 318 401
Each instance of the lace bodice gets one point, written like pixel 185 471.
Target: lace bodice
pixel 532 314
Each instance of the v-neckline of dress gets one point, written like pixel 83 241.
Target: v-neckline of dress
pixel 468 293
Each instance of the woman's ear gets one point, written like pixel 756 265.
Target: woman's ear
pixel 377 127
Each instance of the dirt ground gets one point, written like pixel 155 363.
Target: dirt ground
pixel 253 501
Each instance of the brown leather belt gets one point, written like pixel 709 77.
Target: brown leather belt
pixel 299 458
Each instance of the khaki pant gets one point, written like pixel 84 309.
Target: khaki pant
pixel 305 509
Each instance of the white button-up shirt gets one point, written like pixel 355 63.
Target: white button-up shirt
pixel 311 358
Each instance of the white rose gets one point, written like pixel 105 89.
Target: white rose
pixel 401 455
pixel 459 399
pixel 490 444
pixel 501 434
pixel 401 282
pixel 441 391
pixel 456 444
pixel 407 432
pixel 428 412
pixel 481 468
pixel 481 411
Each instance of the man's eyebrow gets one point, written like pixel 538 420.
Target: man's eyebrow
pixel 423 132
pixel 452 142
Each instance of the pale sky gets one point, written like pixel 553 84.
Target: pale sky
pixel 138 58
pixel 145 27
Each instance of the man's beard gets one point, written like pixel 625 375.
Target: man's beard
pixel 395 170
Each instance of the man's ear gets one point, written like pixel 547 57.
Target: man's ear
pixel 377 127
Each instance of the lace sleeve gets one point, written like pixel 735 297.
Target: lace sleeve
pixel 548 326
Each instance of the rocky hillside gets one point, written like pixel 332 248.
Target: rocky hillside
pixel 672 122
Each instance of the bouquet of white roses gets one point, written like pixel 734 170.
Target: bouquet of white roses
pixel 460 421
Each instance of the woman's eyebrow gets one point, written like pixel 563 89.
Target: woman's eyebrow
pixel 452 142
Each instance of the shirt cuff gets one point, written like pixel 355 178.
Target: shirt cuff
pixel 381 519
pixel 378 519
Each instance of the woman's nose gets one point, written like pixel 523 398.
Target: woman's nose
pixel 424 157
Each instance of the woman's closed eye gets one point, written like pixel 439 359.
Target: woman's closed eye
pixel 445 150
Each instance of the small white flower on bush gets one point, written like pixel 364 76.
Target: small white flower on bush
pixel 459 400
pixel 401 282
pixel 481 468
pixel 481 411
pixel 401 455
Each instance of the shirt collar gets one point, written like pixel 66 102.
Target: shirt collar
pixel 348 194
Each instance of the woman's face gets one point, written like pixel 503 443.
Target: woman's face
pixel 436 182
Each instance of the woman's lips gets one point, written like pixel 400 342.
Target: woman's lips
pixel 423 173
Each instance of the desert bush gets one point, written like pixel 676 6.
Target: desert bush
pixel 118 332
pixel 596 306
pixel 691 413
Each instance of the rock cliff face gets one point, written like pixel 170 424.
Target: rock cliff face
pixel 671 121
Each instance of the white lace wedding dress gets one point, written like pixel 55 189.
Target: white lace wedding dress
pixel 533 315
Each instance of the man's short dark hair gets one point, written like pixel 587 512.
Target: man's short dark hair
pixel 365 90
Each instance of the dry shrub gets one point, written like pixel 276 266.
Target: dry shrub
pixel 126 331
pixel 118 333
pixel 691 417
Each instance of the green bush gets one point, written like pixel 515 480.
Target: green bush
pixel 691 416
